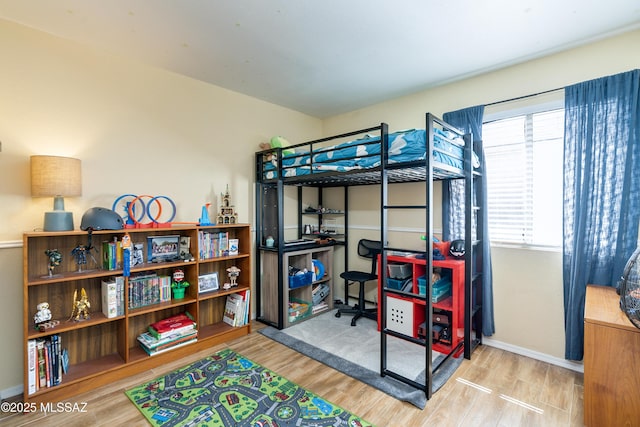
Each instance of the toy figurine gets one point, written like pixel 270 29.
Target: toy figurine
pixel 178 284
pixel 204 216
pixel 80 306
pixel 234 272
pixel 43 314
pixel 55 259
pixel 80 253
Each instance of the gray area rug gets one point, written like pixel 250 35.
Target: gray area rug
pixel 355 351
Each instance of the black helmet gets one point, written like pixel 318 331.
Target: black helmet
pixel 457 249
pixel 101 219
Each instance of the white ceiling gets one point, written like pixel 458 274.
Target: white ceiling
pixel 328 57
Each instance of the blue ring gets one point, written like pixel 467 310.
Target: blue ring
pixel 144 208
pixel 153 199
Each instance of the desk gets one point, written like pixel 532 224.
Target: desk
pixel 611 361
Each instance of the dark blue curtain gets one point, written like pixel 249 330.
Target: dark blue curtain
pixel 601 190
pixel 469 120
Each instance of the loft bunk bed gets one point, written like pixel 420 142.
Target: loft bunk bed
pixel 369 156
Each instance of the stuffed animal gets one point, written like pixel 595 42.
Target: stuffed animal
pixel 275 142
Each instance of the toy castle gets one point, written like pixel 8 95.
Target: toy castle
pixel 227 214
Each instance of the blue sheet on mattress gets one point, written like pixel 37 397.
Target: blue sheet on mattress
pixel 363 153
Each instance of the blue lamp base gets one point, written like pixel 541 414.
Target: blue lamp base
pixel 58 221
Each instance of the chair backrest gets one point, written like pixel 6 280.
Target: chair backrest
pixel 370 249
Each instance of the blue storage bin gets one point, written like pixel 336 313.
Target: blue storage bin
pixel 440 290
pixel 394 283
pixel 298 280
pixel 422 285
pixel 399 284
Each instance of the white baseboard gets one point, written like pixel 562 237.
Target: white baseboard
pixel 569 364
pixel 11 392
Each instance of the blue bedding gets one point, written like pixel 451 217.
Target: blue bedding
pixel 364 153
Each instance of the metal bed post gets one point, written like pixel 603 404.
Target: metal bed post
pixel 382 265
pixel 429 258
pixel 280 244
pixel 258 231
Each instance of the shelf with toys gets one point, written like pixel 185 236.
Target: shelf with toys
pixel 83 314
pixel 407 274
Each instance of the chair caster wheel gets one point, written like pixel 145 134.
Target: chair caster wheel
pixel 353 323
pixel 338 314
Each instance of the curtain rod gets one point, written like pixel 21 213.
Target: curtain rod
pixel 524 97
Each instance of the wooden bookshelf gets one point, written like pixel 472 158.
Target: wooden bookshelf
pixel 102 350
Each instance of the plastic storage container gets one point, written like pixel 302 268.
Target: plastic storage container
pixel 298 309
pixel 440 290
pixel 399 271
pixel 302 279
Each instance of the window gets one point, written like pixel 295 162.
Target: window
pixel 524 158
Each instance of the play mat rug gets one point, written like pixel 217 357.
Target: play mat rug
pixel 227 389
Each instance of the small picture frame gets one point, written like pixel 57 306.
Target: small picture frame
pixel 163 248
pixel 208 283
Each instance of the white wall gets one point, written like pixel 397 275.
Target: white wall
pixel 137 129
pixel 528 296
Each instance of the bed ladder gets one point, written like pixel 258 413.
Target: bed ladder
pixel 472 313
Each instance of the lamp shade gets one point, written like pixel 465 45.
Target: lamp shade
pixel 55 176
pixel 58 177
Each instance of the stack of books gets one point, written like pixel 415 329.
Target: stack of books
pixel 147 289
pixel 217 244
pixel 169 333
pixel 47 362
pixel 236 310
pixel 113 297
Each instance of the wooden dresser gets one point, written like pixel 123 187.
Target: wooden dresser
pixel 611 361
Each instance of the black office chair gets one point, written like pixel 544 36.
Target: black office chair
pixel 367 249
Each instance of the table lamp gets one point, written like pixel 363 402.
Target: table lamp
pixel 57 177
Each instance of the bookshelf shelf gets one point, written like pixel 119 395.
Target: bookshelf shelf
pixel 70 325
pixel 102 349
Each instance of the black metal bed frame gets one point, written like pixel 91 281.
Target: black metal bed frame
pixel 424 170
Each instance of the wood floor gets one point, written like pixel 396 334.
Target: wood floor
pixel 494 388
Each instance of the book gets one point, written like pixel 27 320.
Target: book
pixel 232 310
pixel 47 363
pixel 42 372
pixel 59 351
pixel 32 355
pixel 109 255
pixel 236 309
pixel 64 361
pixel 136 254
pixel 110 298
pixel 149 340
pixel 247 306
pixel 147 289
pixel 150 343
pixel 233 246
pixel 172 325
pixel 120 295
pixel 154 352
pixel 54 359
